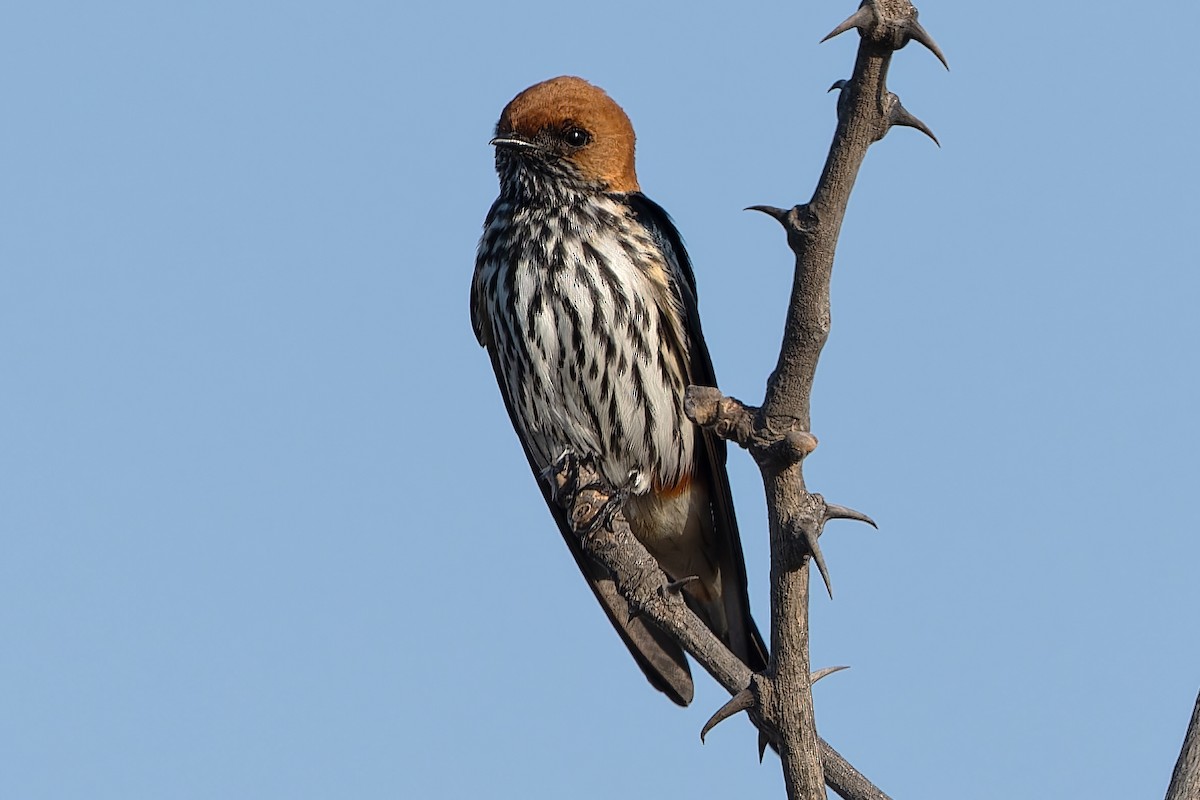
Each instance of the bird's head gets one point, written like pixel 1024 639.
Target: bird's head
pixel 566 128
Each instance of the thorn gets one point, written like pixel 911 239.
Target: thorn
pixel 676 586
pixel 821 673
pixel 842 98
pixel 859 19
pixel 741 701
pixel 900 116
pixel 918 34
pixel 779 214
pixel 833 511
pixel 763 741
pixel 814 549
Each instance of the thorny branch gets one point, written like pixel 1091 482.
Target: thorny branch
pixel 778 436
pixel 593 511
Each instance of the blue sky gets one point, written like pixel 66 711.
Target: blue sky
pixel 267 532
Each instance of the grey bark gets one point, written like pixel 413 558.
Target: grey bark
pixel 593 510
pixel 1185 780
pixel 779 700
pixel 778 434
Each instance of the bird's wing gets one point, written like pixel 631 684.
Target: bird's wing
pixel 745 639
pixel 659 656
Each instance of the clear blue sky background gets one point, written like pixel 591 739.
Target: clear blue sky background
pixel 266 530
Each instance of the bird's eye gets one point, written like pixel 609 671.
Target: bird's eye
pixel 577 137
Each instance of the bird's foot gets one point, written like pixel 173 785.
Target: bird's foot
pixel 577 486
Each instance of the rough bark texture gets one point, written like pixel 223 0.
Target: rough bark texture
pixel 593 510
pixel 777 435
pixel 1185 781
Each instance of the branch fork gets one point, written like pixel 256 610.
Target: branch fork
pixel 778 435
pixel 577 487
pixel 729 418
pixel 747 700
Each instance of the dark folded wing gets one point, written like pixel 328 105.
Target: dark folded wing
pixel 657 654
pixel 746 641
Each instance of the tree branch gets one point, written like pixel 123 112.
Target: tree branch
pixel 779 700
pixel 1185 780
pixel 593 510
pixel 778 434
